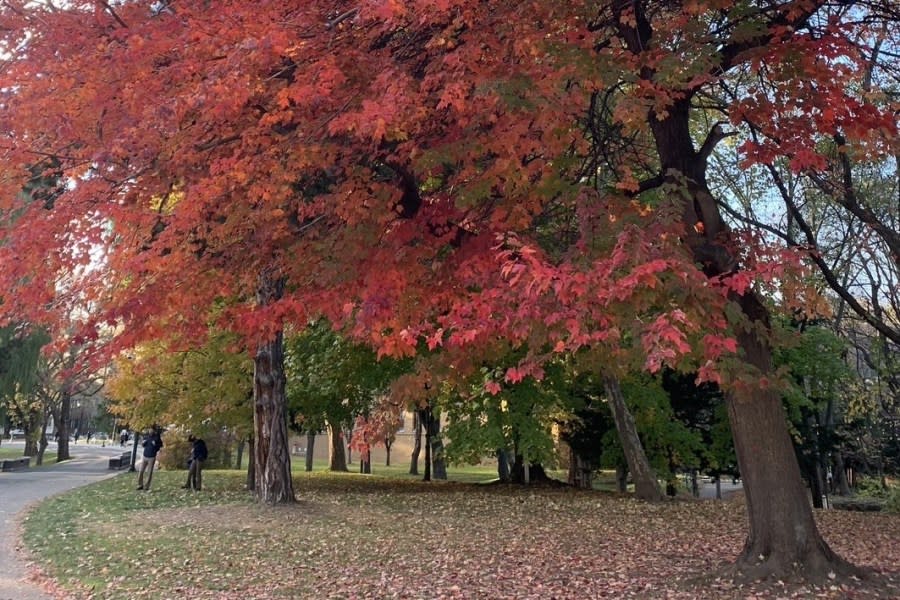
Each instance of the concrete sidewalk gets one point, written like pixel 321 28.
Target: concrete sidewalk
pixel 19 489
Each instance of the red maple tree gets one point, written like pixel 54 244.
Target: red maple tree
pixel 437 170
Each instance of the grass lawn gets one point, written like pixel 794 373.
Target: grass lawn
pixel 356 536
pixel 49 457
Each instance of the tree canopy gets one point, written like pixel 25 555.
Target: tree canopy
pixel 444 173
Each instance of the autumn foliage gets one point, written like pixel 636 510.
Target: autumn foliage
pixel 440 173
pixel 381 159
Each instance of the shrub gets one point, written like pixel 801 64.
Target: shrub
pixel 892 504
pixel 871 487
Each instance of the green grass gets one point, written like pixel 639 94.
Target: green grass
pixel 49 457
pixel 603 480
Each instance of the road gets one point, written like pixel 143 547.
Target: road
pixel 19 489
pixel 708 490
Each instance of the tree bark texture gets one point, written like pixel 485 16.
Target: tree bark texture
pixel 337 459
pixel 645 485
pixel 273 484
pixel 783 535
pixel 581 474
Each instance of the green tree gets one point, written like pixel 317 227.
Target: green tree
pixel 331 380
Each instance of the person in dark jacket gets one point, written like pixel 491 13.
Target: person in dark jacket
pixel 195 463
pixel 152 445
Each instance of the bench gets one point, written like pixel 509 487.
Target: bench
pixel 15 464
pixel 123 461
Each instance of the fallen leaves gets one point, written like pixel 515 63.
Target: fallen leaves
pixel 358 537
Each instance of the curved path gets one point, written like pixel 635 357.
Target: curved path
pixel 18 489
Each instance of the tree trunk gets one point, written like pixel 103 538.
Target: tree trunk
pixel 425 419
pixel 42 445
pixel 503 466
pixel 839 476
pixel 438 464
pixel 337 460
pixel 417 444
pixel 580 472
pixel 240 454
pixel 32 430
pixel 251 466
pixel 365 462
pixel 621 478
pixel 387 451
pixel 645 485
pixel 348 435
pixel 310 449
pixel 783 537
pixel 273 484
pixel 64 427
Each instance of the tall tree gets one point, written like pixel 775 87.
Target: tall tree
pixel 333 380
pixel 380 157
pixel 162 382
pixel 769 41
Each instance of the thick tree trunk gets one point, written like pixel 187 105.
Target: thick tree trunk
pixel 417 444
pixel 310 449
pixel 839 476
pixel 580 472
pixel 524 474
pixel 337 460
pixel 645 485
pixel 273 484
pixel 783 536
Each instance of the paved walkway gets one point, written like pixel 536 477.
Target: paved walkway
pixel 18 489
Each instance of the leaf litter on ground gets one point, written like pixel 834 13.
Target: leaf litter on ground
pixel 358 537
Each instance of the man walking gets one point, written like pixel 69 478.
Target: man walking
pixel 152 444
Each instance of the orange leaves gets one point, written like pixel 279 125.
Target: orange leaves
pixel 454 96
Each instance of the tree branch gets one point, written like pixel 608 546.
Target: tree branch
pixel 118 19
